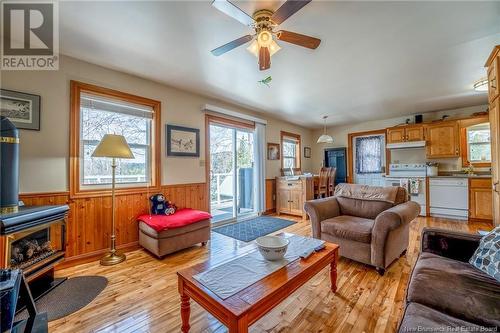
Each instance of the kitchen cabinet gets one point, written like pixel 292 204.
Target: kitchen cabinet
pixel 443 139
pixel 405 133
pixel 292 193
pixel 493 67
pixel 480 199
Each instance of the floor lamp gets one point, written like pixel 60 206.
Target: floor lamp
pixel 113 146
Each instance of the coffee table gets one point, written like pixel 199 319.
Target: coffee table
pixel 247 306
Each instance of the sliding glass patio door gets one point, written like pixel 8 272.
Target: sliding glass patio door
pixel 232 194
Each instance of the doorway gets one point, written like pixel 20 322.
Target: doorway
pixel 231 171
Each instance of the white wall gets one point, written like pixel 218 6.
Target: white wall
pixel 340 134
pixel 44 154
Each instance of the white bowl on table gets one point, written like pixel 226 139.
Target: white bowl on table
pixel 272 247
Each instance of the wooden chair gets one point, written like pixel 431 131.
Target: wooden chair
pixel 331 182
pixel 322 187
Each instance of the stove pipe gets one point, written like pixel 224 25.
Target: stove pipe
pixel 9 166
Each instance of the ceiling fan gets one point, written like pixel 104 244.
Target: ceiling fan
pixel 264 22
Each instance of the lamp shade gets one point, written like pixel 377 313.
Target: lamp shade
pixel 325 138
pixel 114 146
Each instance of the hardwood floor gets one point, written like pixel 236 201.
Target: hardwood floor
pixel 142 293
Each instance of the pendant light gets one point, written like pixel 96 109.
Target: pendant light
pixel 325 138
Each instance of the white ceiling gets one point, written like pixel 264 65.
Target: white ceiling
pixel 376 60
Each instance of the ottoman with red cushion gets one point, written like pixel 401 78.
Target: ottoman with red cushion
pixel 164 234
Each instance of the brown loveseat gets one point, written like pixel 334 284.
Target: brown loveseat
pixel 371 224
pixel 446 293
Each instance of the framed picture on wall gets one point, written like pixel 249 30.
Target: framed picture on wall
pixel 307 152
pixel 183 141
pixel 273 151
pixel 21 108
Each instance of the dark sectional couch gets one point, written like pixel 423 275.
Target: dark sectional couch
pixel 445 292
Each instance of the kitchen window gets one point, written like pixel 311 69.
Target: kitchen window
pixel 478 144
pixel 290 150
pixel 369 154
pixel 96 111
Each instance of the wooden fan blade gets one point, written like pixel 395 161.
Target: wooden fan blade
pixel 288 9
pixel 298 39
pixel 264 58
pixel 230 9
pixel 231 45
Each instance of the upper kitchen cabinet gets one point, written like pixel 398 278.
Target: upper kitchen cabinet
pixel 493 74
pixel 406 133
pixel 443 139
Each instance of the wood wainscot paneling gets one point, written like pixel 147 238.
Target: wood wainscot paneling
pixel 89 221
pixel 270 196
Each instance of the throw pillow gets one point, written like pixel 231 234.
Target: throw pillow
pixel 487 256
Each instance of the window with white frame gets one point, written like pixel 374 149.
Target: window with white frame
pixel 102 115
pixel 478 143
pixel 290 152
pixel 369 154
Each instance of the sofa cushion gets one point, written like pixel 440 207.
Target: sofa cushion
pixel 455 288
pixel 420 318
pixel 487 255
pixel 349 227
pixel 143 227
pixel 362 208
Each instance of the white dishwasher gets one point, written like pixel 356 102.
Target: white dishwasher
pixel 449 197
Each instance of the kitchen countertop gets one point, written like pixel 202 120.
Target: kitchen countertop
pixel 461 176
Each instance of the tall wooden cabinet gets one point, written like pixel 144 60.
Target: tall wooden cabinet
pixel 291 194
pixel 443 139
pixel 493 66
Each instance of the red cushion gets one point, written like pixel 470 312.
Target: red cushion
pixel 179 219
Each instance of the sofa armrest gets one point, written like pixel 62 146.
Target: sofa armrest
pixel 320 210
pixel 450 244
pixel 387 221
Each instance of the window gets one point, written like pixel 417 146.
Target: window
pixel 290 150
pixel 100 116
pixel 98 111
pixel 478 143
pixel 369 154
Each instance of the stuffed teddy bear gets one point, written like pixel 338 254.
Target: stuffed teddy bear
pixel 160 206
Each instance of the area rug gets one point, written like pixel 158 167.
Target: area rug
pixel 70 296
pixel 251 229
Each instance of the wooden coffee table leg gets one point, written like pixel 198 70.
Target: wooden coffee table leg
pixel 185 312
pixel 239 325
pixel 333 274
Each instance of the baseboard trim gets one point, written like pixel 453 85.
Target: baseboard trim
pixel 94 256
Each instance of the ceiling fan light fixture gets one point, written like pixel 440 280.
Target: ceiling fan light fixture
pixel 273 48
pixel 254 48
pixel 325 138
pixel 264 38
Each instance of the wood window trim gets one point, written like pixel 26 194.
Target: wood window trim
pixel 350 156
pixel 464 152
pixel 284 134
pixel 75 191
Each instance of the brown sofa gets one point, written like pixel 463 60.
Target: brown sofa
pixel 446 293
pixel 372 231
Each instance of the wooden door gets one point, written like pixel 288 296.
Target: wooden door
pixel 495 157
pixel 395 135
pixel 415 133
pixel 443 140
pixel 493 69
pixel 283 200
pixel 296 204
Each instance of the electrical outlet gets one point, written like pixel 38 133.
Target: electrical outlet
pixel 202 163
